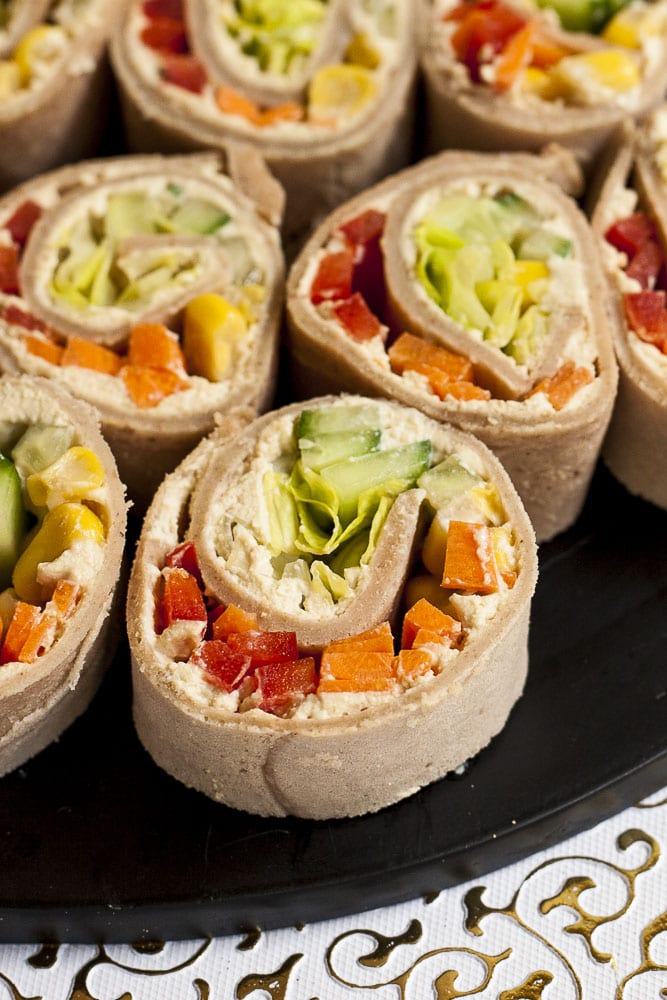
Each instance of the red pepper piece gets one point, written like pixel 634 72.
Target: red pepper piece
pixel 18 317
pixel 185 557
pixel 265 647
pixel 334 277
pixel 280 684
pixel 165 35
pixel 647 316
pixel 164 8
pixel 223 667
pixel 483 34
pixel 364 228
pixel 357 318
pixel 9 270
pixel 181 599
pixel 21 222
pixel 646 263
pixel 184 71
pixel 628 235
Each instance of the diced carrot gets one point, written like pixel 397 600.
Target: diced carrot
pixel 356 670
pixel 152 345
pixel 234 620
pixel 424 615
pixel 546 52
pixel 561 387
pixel 231 102
pixel 40 638
pixel 378 639
pixel 64 598
pixel 43 348
pixel 86 354
pixel 148 386
pixel 514 57
pixel 412 663
pixel 24 619
pixel 469 559
pixel 409 352
pixel 290 111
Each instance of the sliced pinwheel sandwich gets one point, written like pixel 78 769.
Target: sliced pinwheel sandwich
pixel 150 287
pixel 330 609
pixel 54 83
pixel 631 218
pixel 469 287
pixel 514 75
pixel 322 88
pixel 61 545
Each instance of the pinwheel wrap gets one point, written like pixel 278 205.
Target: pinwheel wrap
pixel 124 244
pixel 549 450
pixel 40 696
pixel 334 754
pixel 323 140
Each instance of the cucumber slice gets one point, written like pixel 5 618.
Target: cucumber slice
pixel 130 213
pixel 327 449
pixel 353 477
pixel 539 244
pixel 40 446
pixel 313 424
pixel 13 524
pixel 446 481
pixel 198 216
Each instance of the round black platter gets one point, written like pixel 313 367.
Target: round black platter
pixel 97 844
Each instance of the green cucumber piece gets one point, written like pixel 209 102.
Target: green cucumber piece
pixel 13 524
pixel 198 216
pixel 355 476
pixel 333 447
pixel 540 244
pixel 312 424
pixel 447 481
pixel 130 213
pixel 40 446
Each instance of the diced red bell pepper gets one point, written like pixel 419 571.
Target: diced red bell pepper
pixel 21 222
pixel 182 599
pixel 9 270
pixel 185 557
pixel 280 684
pixel 19 317
pixel 646 263
pixel 265 647
pixel 628 235
pixel 647 316
pixel 484 32
pixel 164 8
pixel 356 317
pixel 184 71
pixel 163 34
pixel 223 667
pixel 334 277
pixel 364 228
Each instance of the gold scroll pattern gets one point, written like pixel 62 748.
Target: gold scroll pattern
pixel 404 965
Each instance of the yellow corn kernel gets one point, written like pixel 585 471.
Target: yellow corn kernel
pixel 10 77
pixel 487 499
pixel 429 588
pixel 339 91
pixel 252 296
pixel 539 82
pixel 41 45
pixel 526 272
pixel 630 26
pixel 362 53
pixel 610 68
pixel 435 545
pixel 212 327
pixel 74 476
pixel 60 529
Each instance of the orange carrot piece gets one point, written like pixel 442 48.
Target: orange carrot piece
pixel 514 57
pixel 412 663
pixel 424 615
pixel 356 670
pixel 290 111
pixel 469 559
pixel 86 354
pixel 408 352
pixel 378 639
pixel 64 599
pixel 152 345
pixel 148 386
pixel 44 349
pixel 40 638
pixel 24 619
pixel 456 389
pixel 546 52
pixel 231 102
pixel 561 387
pixel 234 620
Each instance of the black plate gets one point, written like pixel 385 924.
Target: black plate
pixel 96 843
